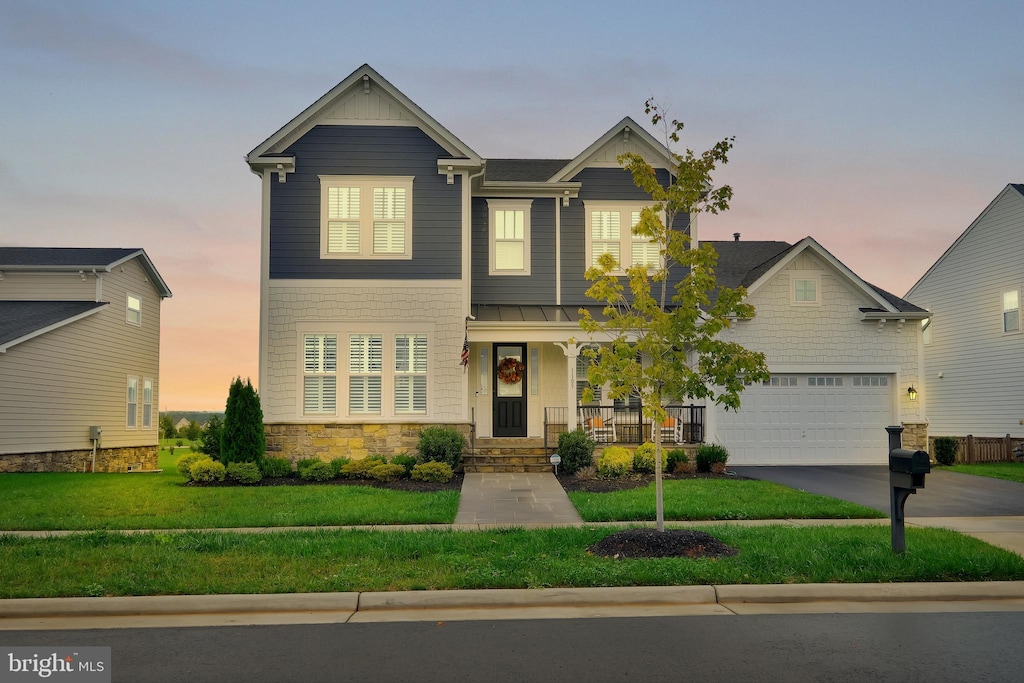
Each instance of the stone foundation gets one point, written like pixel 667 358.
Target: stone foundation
pixel 915 436
pixel 107 460
pixel 328 441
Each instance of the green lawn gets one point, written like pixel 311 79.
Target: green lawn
pixel 1011 471
pixel 158 501
pixel 701 499
pixel 103 563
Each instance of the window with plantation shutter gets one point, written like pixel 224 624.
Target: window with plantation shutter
pixel 609 230
pixel 411 373
pixel 605 236
pixel 643 250
pixel 365 366
pixel 366 217
pixel 320 378
pixel 509 236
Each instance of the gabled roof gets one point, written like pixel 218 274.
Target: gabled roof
pixel 1019 188
pixel 364 77
pixel 528 170
pixel 23 320
pixel 58 259
pixel 636 133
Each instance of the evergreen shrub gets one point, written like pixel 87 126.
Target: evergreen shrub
pixel 615 461
pixel 442 444
pixel 432 471
pixel 576 450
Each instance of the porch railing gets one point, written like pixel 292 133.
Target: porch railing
pixel 608 424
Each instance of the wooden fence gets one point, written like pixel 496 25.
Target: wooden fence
pixel 974 449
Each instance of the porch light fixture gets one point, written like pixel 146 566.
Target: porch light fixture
pixel 912 393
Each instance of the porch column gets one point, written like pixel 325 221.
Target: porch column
pixel 571 349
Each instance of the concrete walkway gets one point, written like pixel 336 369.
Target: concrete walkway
pixel 515 498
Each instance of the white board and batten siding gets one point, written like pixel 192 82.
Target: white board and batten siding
pixel 55 386
pixel 837 381
pixel 981 387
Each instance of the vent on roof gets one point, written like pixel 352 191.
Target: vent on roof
pixel 735 237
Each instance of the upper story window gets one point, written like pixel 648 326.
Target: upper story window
pixel 509 236
pixel 1011 311
pixel 806 289
pixel 366 217
pixel 133 314
pixel 609 230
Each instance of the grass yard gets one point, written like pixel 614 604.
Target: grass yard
pixel 1011 471
pixel 101 564
pixel 703 499
pixel 158 501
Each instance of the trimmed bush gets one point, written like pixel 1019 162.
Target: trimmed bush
pixel 376 457
pixel 432 471
pixel 317 471
pixel 387 471
pixel 245 472
pixel 615 461
pixel 945 449
pixel 576 450
pixel 710 453
pixel 676 457
pixel 276 467
pixel 185 462
pixel 406 461
pixel 304 463
pixel 442 444
pixel 338 463
pixel 242 438
pixel 207 471
pixel 360 469
pixel 643 459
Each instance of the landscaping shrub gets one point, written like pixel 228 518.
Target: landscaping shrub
pixel 376 457
pixel 338 463
pixel 185 462
pixel 432 471
pixel 586 473
pixel 643 459
pixel 406 461
pixel 276 467
pixel 387 472
pixel 576 450
pixel 242 437
pixel 945 449
pixel 360 469
pixel 245 472
pixel 709 454
pixel 615 461
pixel 317 471
pixel 675 458
pixel 209 438
pixel 207 471
pixel 442 444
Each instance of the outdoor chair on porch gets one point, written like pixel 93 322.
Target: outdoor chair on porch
pixel 599 428
pixel 672 430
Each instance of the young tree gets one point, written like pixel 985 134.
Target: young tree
pixel 211 437
pixel 679 340
pixel 242 438
pixel 166 427
pixel 192 431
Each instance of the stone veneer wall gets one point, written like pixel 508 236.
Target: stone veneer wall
pixel 356 441
pixel 915 436
pixel 107 460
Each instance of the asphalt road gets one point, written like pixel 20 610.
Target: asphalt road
pixel 945 494
pixel 834 647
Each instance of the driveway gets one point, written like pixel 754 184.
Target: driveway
pixel 945 494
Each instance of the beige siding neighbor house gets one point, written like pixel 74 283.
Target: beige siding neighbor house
pixel 79 349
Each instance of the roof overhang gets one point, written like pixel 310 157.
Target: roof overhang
pixel 49 328
pixel 530 331
pixel 509 188
pixel 147 266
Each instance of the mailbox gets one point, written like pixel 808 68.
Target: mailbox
pixel 907 470
pixel 909 462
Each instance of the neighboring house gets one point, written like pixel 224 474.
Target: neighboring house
pixel 181 424
pixel 973 343
pixel 387 242
pixel 79 348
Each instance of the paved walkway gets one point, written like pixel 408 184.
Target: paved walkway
pixel 519 498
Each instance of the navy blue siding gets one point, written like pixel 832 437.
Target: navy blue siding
pixel 365 150
pixel 539 286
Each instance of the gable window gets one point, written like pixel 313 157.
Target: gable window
pixel 609 230
pixel 410 373
pixel 133 315
pixel 147 403
pixel 366 217
pixel 805 289
pixel 131 421
pixel 509 222
pixel 1011 311
pixel 365 368
pixel 319 374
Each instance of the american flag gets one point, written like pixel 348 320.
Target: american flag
pixel 465 350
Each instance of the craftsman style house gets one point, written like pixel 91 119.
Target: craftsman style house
pixel 79 350
pixel 408 281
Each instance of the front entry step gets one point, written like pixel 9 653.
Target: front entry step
pixel 508 455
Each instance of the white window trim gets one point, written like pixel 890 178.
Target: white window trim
pixel 494 205
pixel 926 331
pixel 625 210
pixel 152 391
pixel 128 309
pixel 320 374
pixel 799 276
pixel 128 402
pixel 366 184
pixel 1003 311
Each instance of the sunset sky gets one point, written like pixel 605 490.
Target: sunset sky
pixel 880 129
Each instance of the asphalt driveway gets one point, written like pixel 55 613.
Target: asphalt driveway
pixel 946 494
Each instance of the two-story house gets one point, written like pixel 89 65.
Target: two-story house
pixel 974 340
pixel 408 281
pixel 79 352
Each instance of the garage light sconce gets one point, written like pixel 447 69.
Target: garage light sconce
pixel 912 393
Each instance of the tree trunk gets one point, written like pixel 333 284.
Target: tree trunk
pixel 659 498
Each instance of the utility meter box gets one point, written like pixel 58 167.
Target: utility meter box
pixel 95 433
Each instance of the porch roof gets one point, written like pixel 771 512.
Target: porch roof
pixel 518 313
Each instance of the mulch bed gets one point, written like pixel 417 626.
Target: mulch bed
pixel 648 543
pixel 571 482
pixel 414 485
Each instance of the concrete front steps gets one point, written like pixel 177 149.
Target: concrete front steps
pixel 507 455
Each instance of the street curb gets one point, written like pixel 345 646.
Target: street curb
pixel 20 608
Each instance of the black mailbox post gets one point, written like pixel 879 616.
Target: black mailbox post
pixel 906 476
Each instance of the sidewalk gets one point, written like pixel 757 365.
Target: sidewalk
pixel 514 499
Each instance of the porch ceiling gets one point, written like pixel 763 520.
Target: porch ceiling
pixel 507 322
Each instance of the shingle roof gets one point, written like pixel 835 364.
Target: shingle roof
pixel 523 170
pixel 20 319
pixel 83 257
pixel 901 305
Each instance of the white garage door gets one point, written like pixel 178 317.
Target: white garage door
pixel 811 420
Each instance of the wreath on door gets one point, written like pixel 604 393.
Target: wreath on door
pixel 510 370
